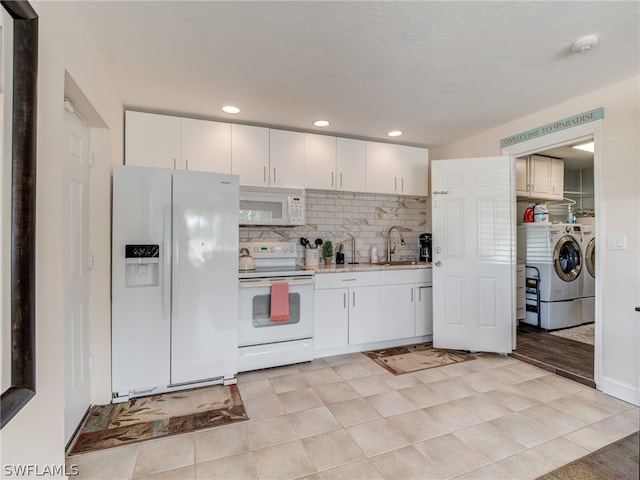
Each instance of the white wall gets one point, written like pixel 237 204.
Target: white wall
pixel 619 271
pixel 36 434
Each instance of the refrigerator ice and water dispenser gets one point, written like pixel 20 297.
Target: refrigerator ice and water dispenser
pixel 142 265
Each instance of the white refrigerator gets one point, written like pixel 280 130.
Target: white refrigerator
pixel 174 280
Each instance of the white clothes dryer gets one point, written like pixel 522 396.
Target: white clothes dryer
pixel 554 263
pixel 589 274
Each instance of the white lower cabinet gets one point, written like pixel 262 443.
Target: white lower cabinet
pixel 380 313
pixel 331 306
pixel 372 307
pixel 424 309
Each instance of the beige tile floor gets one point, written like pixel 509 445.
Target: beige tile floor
pixel 345 417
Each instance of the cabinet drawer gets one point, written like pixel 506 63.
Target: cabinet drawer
pixel 378 277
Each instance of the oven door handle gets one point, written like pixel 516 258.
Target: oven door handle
pixel 267 283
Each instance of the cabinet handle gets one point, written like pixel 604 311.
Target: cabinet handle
pixel 264 174
pixel 274 175
pixel 353 298
pixel 332 179
pixel 411 294
pixel 402 183
pixel 174 163
pixel 341 179
pixel 420 292
pixel 186 164
pixel 344 300
pixel 395 183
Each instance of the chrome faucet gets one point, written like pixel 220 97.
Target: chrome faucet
pixel 392 251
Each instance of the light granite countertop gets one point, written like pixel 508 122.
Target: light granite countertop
pixel 365 267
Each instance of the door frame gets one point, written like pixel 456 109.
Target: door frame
pixel 592 130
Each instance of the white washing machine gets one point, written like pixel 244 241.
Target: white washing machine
pixel 554 264
pixel 589 274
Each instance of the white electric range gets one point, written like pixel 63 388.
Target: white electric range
pixel 263 342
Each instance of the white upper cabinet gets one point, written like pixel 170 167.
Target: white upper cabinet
pixel 286 159
pixel 173 142
pixel 250 154
pixel 556 182
pixel 206 146
pixel 267 158
pixel 539 178
pixel 334 163
pixel 152 140
pixel 320 161
pixel 397 169
pixel 351 165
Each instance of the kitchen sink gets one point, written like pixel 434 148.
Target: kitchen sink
pixel 405 262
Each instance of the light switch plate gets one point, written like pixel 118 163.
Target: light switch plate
pixel 617 242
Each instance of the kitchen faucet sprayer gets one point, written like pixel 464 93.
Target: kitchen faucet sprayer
pixel 391 251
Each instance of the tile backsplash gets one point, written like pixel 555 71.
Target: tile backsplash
pixel 336 216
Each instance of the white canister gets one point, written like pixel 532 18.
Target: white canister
pixel 374 254
pixel 311 257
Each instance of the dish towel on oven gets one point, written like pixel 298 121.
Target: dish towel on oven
pixel 279 302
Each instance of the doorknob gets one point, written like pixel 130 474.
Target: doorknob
pixel 438 263
pixel 438 250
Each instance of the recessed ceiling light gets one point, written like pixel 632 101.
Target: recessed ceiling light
pixel 230 109
pixel 395 133
pixel 321 123
pixel 587 147
pixel 584 44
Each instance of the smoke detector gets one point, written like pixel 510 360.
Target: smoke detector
pixel 584 44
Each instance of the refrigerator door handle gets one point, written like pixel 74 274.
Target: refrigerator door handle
pixel 166 262
pixel 175 260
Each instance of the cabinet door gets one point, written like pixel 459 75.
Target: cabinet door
pixel 286 159
pixel 556 182
pixel 522 177
pixel 331 319
pixel 320 161
pixel 380 313
pixel 206 146
pixel 350 161
pixel 413 170
pixel 152 140
pixel 539 173
pixel 250 154
pixel 382 174
pixel 424 309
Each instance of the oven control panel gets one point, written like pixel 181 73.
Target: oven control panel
pixel 271 249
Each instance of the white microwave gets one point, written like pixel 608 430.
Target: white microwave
pixel 271 206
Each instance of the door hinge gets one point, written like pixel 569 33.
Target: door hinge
pixel 90 159
pixel 90 261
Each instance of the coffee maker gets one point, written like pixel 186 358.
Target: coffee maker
pixel 425 247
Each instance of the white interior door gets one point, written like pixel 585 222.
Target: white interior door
pixel 76 282
pixel 474 252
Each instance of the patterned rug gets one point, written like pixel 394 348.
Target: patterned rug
pixel 583 333
pixel 411 358
pixel 158 416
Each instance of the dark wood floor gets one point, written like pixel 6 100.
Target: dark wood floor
pixel 562 356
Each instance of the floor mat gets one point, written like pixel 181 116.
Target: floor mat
pixel 618 460
pixel 158 416
pixel 411 358
pixel 583 333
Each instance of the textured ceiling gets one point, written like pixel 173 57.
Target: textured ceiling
pixel 438 71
